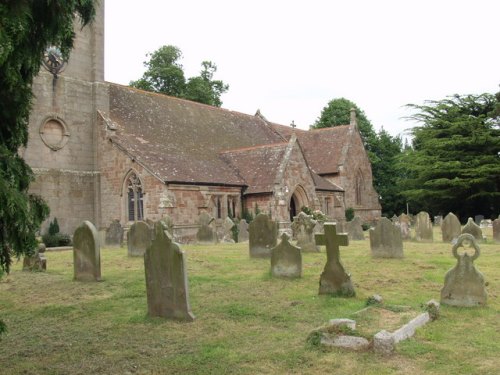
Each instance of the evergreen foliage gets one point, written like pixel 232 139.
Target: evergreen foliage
pixel 454 164
pixel 165 75
pixel 27 29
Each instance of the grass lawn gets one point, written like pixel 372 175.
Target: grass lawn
pixel 246 321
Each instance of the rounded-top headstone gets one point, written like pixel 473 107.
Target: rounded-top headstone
pixel 86 253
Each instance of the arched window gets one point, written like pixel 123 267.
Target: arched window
pixel 135 205
pixel 359 187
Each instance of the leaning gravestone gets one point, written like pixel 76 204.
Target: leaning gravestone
pixel 243 231
pixel 138 238
pixel 386 240
pixel 86 253
pixel 423 227
pixel 114 234
pixel 206 233
pixel 166 278
pixel 496 230
pixel 334 279
pixel 404 226
pixel 472 228
pixel 464 284
pixel 286 259
pixel 37 261
pixel 263 236
pixel 355 229
pixel 303 226
pixel 450 228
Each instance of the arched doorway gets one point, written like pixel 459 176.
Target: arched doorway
pixel 297 201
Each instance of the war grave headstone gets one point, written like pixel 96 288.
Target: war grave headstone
pixel 138 238
pixel 478 219
pixel 286 259
pixel 303 227
pixel 228 230
pixel 386 240
pixel 334 279
pixel 464 285
pixel 404 226
pixel 450 228
pixel 496 230
pixel 423 227
pixel 37 261
pixel 206 232
pixel 242 231
pixel 263 236
pixel 166 277
pixel 472 228
pixel 114 234
pixel 86 253
pixel 355 229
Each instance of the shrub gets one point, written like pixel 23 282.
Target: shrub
pixel 54 227
pixel 50 240
pixel 349 214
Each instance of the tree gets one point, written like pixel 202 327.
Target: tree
pixel 28 27
pixel 455 161
pixel 165 75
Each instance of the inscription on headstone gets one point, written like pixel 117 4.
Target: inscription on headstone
pixel 386 240
pixel 138 238
pixel 286 259
pixel 263 236
pixel 464 284
pixel 166 278
pixel 86 253
pixel 334 279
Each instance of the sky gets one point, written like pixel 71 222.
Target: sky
pixel 289 58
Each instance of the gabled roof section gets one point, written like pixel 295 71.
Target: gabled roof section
pixel 257 166
pixel 323 148
pixel 179 140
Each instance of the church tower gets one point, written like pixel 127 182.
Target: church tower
pixel 62 131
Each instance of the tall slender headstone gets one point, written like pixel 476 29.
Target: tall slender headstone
pixel 286 259
pixel 404 226
pixel 423 227
pixel 166 278
pixel 496 230
pixel 86 253
pixel 263 236
pixel 464 285
pixel 450 228
pixel 303 226
pixel 138 238
pixel 334 279
pixel 386 240
pixel 472 228
pixel 242 231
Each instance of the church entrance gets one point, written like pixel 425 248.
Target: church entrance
pixel 297 201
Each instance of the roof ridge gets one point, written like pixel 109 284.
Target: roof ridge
pixel 253 147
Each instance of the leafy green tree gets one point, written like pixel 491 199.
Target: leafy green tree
pixel 455 161
pixel 165 75
pixel 27 28
pixel 204 89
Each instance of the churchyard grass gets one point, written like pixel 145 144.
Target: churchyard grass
pixel 246 321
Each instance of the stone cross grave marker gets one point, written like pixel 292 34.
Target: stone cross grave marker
pixel 334 279
pixel 114 234
pixel 166 277
pixel 86 253
pixel 303 227
pixel 450 227
pixel 138 238
pixel 464 284
pixel 386 240
pixel 472 228
pixel 286 259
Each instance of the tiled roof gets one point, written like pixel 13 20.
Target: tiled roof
pixel 325 185
pixel 322 147
pixel 180 140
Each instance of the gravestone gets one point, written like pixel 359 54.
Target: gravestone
pixel 386 240
pixel 286 259
pixel 263 236
pixel 404 226
pixel 496 230
pixel 438 220
pixel 450 228
pixel 303 226
pixel 472 228
pixel 395 219
pixel 228 230
pixel 478 219
pixel 334 279
pixel 355 229
pixel 114 234
pixel 166 278
pixel 242 231
pixel 168 223
pixel 37 261
pixel 86 253
pixel 423 227
pixel 138 238
pixel 464 284
pixel 206 232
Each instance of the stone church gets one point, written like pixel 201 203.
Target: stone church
pixel 103 152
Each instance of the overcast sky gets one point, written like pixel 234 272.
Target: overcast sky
pixel 289 58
